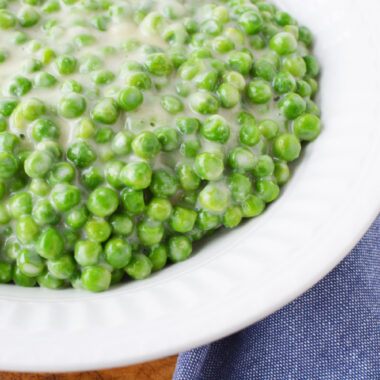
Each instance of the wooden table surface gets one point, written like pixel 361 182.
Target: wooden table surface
pixel 157 370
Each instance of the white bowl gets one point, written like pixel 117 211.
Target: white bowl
pixel 238 277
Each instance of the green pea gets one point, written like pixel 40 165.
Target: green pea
pixel 38 164
pixel 241 159
pixel 171 104
pixel 140 267
pixel 20 204
pixel 61 172
pixel 7 105
pixel 64 196
pixel 71 85
pixel 106 111
pixel 252 206
pixel 27 229
pixel 292 106
pixel 214 198
pixel 6 271
pixel 250 134
pixel 267 189
pixel 133 201
pixel 265 70
pixel 7 19
pixel 44 213
pixel 45 128
pixel 130 98
pixel 216 128
pixel 158 256
pixel 113 171
pixel 72 106
pixel 87 252
pixel 81 154
pixel 287 147
pixel 150 232
pixel 188 125
pixel 251 22
pixel 48 281
pixel 146 145
pixel 211 27
pixel 139 80
pixel 4 214
pixel 284 82
pixel 180 248
pixel 269 129
pixel 229 95
pixel 31 65
pixel 137 175
pixel 77 217
pixel 190 147
pixel 159 209
pixel 121 224
pixel 312 66
pixel 19 86
pixel 207 221
pixel 222 44
pixel 259 92
pixel 303 89
pixel 28 16
pixel 163 184
pixel 307 127
pixel 66 64
pixel 44 80
pixel 204 103
pixel 12 249
pixel 122 143
pixel 305 35
pixel 182 219
pixel 98 229
pixel 232 216
pixel 264 167
pixel 168 138
pixel 96 279
pixel 209 166
pixel 20 279
pixel 283 43
pixel 51 147
pixel 281 172
pixel 8 165
pixel 92 178
pixel 62 267
pixel 158 64
pixel 240 62
pixel 188 179
pixel 49 244
pixel 240 187
pixel 103 202
pixel 207 80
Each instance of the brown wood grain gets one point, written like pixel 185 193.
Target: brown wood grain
pixel 156 370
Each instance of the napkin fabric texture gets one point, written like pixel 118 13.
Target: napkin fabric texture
pixel 332 332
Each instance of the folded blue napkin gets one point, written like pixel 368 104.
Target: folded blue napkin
pixel 331 332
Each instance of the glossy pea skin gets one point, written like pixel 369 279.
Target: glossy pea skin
pixel 96 279
pixel 103 202
pixel 307 127
pixel 146 145
pixel 87 252
pixel 98 229
pixel 158 255
pixel 140 267
pixel 214 198
pixel 118 253
pixel 49 244
pixel 137 175
pixel 180 248
pixel 209 166
pixel 216 128
pixel 287 147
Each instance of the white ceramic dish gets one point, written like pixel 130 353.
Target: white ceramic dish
pixel 241 276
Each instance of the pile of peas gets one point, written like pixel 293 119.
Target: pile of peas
pixel 131 129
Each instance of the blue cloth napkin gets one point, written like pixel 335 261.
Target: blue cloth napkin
pixel 331 332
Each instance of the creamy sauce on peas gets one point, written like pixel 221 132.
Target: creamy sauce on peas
pixel 112 34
